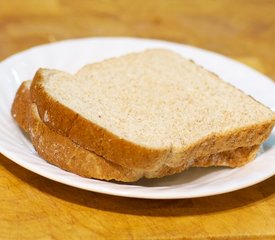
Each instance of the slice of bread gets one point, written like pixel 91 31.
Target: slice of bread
pixel 64 153
pixel 61 151
pixel 149 109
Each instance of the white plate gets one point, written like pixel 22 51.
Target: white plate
pixel 71 55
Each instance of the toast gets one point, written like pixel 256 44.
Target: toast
pixel 64 153
pixel 149 110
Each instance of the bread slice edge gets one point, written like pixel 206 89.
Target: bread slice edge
pixel 61 151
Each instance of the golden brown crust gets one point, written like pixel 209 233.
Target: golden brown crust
pixel 20 109
pixel 61 151
pixel 236 158
pixel 64 153
pixel 96 139
pixel 61 118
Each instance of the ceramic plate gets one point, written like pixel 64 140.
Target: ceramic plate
pixel 70 55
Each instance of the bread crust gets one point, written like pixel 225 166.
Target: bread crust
pixel 62 152
pixel 20 110
pixel 128 154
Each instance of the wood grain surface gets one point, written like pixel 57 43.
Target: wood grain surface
pixel 33 207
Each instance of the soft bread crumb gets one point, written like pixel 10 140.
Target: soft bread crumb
pixel 155 99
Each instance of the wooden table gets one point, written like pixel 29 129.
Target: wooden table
pixel 33 207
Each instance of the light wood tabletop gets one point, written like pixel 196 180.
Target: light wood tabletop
pixel 33 207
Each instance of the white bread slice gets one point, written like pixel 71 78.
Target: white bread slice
pixel 145 110
pixel 61 151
